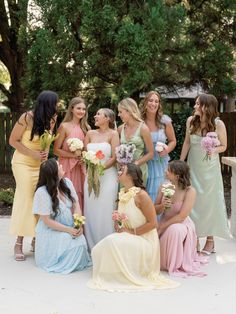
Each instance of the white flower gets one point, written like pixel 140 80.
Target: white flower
pixel 160 147
pixel 74 144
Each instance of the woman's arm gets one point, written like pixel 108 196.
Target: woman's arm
pixel 55 225
pixel 222 135
pixel 144 203
pixel 58 151
pixel 159 206
pixel 16 136
pixel 170 134
pixel 114 143
pixel 186 144
pixel 146 135
pixel 184 212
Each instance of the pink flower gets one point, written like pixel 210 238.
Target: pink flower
pixel 119 218
pixel 208 143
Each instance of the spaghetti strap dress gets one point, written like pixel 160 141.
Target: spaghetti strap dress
pixel 73 169
pixel 209 212
pixel 26 172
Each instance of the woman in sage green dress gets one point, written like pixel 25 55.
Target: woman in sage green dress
pixel 134 131
pixel 209 213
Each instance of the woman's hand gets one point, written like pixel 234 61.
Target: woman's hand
pixel 74 232
pixel 166 201
pixel 164 152
pixel 44 155
pixel 39 156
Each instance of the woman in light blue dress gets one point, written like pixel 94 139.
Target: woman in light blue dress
pixel 161 130
pixel 209 213
pixel 59 247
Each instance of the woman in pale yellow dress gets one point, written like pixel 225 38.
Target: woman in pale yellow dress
pixel 129 260
pixel 25 165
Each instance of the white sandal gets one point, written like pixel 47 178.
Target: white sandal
pixel 19 257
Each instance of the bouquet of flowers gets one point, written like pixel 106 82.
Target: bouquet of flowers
pixel 124 153
pixel 159 148
pixel 120 219
pixel 78 221
pixel 75 145
pixel 208 143
pixel 46 140
pixel 168 191
pixel 94 169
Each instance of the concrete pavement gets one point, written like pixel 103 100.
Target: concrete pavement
pixel 28 290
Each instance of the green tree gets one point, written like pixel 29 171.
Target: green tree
pixel 12 28
pixel 106 49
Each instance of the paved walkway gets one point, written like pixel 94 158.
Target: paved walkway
pixel 28 290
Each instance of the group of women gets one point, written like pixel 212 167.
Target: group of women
pixel 130 257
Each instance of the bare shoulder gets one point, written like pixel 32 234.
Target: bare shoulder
pixel 142 196
pixel 114 132
pixel 191 191
pixel 26 118
pixel 145 128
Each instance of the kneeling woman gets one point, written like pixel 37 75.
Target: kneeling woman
pixel 129 259
pixel 178 239
pixel 60 248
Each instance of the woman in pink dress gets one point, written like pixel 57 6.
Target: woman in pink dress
pixel 176 230
pixel 74 125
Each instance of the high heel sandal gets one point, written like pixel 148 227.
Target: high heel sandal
pixel 205 252
pixel 19 257
pixel 32 245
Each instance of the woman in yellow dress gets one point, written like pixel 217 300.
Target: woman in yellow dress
pixel 25 165
pixel 129 260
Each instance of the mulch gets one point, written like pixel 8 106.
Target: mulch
pixel 7 180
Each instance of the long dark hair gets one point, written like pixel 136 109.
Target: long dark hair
pixel 136 174
pixel 48 176
pixel 181 169
pixel 210 104
pixel 44 111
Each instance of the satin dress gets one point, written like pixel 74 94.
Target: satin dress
pixel 26 172
pixel 209 212
pixel 128 262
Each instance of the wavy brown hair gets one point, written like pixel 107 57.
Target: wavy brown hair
pixel 48 177
pixel 69 115
pixel 108 113
pixel 135 173
pixel 143 108
pixel 181 169
pixel 210 105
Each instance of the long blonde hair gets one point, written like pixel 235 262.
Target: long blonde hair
pixel 69 115
pixel 131 106
pixel 159 113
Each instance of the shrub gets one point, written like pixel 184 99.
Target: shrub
pixel 7 196
pixel 179 123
